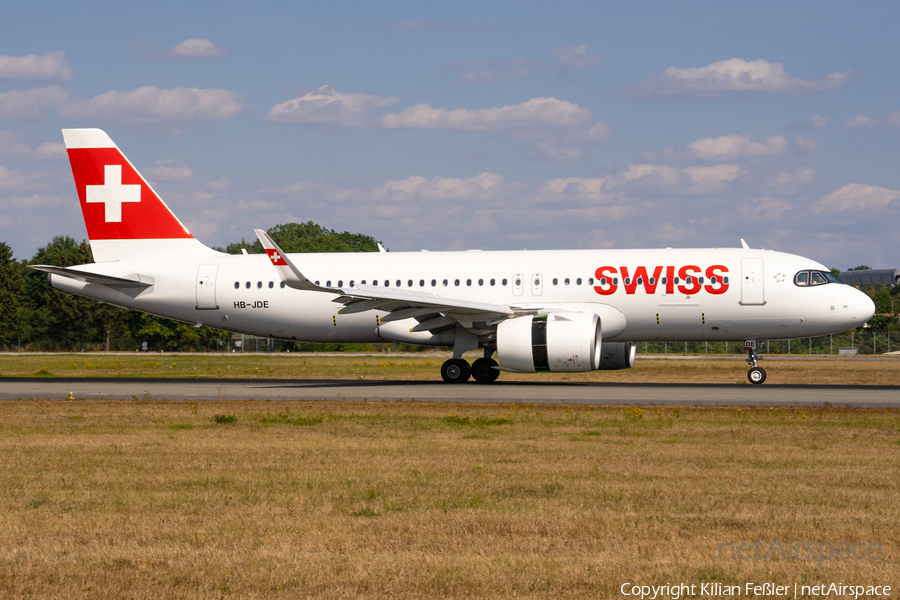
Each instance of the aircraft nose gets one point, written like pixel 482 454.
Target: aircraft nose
pixel 861 307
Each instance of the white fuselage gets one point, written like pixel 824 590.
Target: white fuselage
pixel 243 293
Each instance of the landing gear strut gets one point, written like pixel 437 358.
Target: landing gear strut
pixel 756 374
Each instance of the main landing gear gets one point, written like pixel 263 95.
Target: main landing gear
pixel 756 374
pixel 456 370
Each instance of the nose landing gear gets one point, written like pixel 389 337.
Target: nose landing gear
pixel 756 374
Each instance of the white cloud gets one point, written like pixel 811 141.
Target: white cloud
pixel 735 76
pixel 169 170
pixel 491 71
pixel 12 148
pixel 818 121
pixel 763 209
pixel 792 183
pixel 325 106
pixel 49 67
pixel 196 48
pixel 855 196
pixel 551 150
pixel 31 105
pixel 574 57
pixel 151 105
pixel 734 147
pixel 862 122
pixel 441 188
pixel 222 184
pixel 534 118
pixel 663 178
pixel 805 145
pixel 10 179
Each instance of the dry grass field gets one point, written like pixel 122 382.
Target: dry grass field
pixel 424 367
pixel 144 499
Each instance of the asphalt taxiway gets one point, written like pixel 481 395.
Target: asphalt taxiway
pixel 527 392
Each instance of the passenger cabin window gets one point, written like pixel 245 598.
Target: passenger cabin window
pixel 398 283
pixel 247 285
pixel 259 285
pixel 456 282
pixel 468 282
pixel 237 284
pixel 409 283
pixel 445 283
pixel 282 284
pixel 340 283
pixel 328 283
pixel 421 283
pixel 493 281
pixel 481 282
pixel 578 281
pixel 555 281
pixel 433 282
pixel 504 281
pixel 271 284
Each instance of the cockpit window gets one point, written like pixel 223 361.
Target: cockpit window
pixel 810 278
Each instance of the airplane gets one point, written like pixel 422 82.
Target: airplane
pixel 549 310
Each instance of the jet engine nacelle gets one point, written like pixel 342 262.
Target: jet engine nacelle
pixel 561 341
pixel 617 355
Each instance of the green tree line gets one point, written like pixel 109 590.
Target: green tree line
pixel 35 316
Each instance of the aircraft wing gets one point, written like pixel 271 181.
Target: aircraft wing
pixel 432 311
pixel 87 277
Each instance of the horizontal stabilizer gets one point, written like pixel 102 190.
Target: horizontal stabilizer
pixel 107 280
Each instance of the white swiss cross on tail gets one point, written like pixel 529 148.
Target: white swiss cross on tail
pixel 112 193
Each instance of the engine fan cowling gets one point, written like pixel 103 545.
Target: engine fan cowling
pixel 562 341
pixel 617 355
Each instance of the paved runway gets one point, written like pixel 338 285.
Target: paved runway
pixel 566 393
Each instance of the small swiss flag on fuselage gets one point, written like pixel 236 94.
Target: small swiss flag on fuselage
pixel 276 258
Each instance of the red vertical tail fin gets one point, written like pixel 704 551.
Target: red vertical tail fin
pixel 123 215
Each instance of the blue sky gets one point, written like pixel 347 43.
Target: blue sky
pixel 461 125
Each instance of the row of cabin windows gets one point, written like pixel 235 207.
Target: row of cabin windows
pixel 259 284
pixel 503 282
pixel 410 283
pixel 663 280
